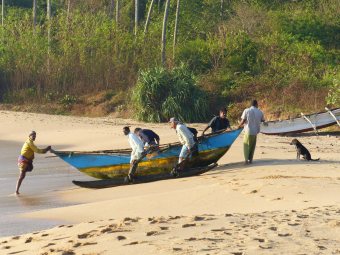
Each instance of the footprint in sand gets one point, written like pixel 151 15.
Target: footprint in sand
pixel 188 225
pixel 106 230
pixel 69 252
pixel 152 233
pixel 219 229
pixel 28 240
pixel 261 240
pixel 131 219
pixel 90 243
pixel 49 244
pixel 284 234
pixel 277 199
pixel 164 228
pixel 176 249
pixel 198 218
pixel 86 235
pixel 76 245
pixel 132 243
pixel 119 238
pixel 191 239
pixel 44 235
pixel 265 246
pixel 293 224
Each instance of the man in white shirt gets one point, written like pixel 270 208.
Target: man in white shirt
pixel 137 147
pixel 185 137
pixel 251 119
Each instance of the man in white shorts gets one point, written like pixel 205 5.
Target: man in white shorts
pixel 185 137
pixel 137 147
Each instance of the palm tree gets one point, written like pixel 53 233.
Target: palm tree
pixel 166 13
pixel 34 13
pixel 176 28
pixel 48 16
pixel 2 12
pixel 222 3
pixel 148 17
pixel 112 4
pixel 68 9
pixel 136 15
pixel 117 12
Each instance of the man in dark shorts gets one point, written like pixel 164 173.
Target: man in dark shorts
pixel 25 160
pixel 218 122
pixel 148 137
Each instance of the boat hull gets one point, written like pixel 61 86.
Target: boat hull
pixel 299 125
pixel 108 183
pixel 116 164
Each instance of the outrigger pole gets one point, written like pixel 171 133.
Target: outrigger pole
pixel 313 126
pixel 331 113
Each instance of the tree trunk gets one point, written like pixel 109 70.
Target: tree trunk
pixel 222 4
pixel 112 7
pixel 34 13
pixel 68 9
pixel 2 12
pixel 48 16
pixel 159 6
pixel 136 16
pixel 117 12
pixel 176 28
pixel 48 10
pixel 166 13
pixel 148 17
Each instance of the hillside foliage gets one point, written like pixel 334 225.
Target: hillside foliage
pixel 284 53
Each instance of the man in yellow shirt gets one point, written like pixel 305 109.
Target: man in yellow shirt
pixel 25 160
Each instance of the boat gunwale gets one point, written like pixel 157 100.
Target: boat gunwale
pixel 162 147
pixel 300 130
pixel 301 117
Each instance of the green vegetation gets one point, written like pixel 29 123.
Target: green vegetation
pixel 284 53
pixel 161 94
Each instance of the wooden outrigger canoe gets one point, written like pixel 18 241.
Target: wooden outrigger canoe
pixel 304 123
pixel 115 164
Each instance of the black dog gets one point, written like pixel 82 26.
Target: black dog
pixel 301 150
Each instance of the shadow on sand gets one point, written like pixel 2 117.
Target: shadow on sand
pixel 267 162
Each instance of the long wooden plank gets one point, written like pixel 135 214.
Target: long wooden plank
pixel 99 184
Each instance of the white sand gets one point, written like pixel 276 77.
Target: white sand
pixel 279 205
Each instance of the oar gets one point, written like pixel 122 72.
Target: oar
pixel 330 112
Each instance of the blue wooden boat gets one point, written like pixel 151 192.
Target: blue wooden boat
pixel 115 164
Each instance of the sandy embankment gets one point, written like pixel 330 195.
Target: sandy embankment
pixel 276 206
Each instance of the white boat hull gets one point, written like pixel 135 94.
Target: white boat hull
pixel 299 125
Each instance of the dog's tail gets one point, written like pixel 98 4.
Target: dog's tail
pixel 314 159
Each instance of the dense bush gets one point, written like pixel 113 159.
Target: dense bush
pixel 161 94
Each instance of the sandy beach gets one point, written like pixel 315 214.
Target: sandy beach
pixel 277 205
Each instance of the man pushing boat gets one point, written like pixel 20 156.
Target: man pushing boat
pixel 137 147
pixel 25 160
pixel 186 138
